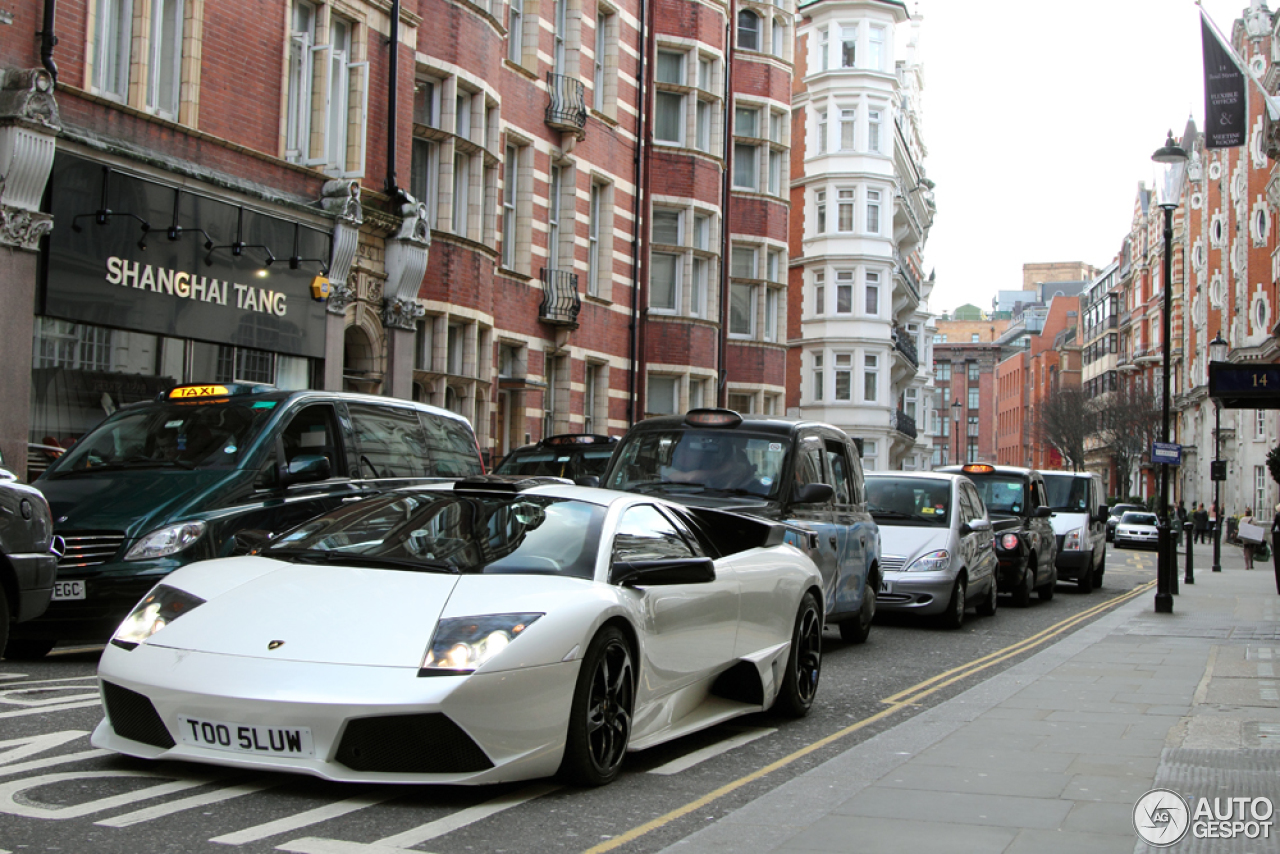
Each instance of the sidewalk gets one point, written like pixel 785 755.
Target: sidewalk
pixel 1052 754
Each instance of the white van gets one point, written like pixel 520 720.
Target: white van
pixel 1080 526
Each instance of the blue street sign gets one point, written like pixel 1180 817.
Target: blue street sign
pixel 1166 452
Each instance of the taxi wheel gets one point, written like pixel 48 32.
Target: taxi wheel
pixel 1022 595
pixel 987 607
pixel 4 619
pixel 858 629
pixel 953 617
pixel 27 650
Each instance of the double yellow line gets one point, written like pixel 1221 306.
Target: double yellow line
pixel 894 703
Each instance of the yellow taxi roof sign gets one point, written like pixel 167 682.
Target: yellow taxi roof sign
pixel 185 392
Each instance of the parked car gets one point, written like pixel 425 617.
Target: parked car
pixel 184 477
pixel 28 553
pixel 576 456
pixel 1137 530
pixel 938 549
pixel 1080 524
pixel 1026 548
pixel 1114 514
pixel 802 472
pixel 491 630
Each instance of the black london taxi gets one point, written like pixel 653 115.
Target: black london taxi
pixel 1026 548
pixel 206 471
pixel 576 456
pixel 805 473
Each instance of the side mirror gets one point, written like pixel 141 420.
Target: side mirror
pixel 587 480
pixel 1104 512
pixel 1042 512
pixel 649 573
pixel 975 525
pixel 813 493
pixel 305 468
pixel 250 541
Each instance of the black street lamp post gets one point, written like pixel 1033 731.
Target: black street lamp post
pixel 955 434
pixel 1171 161
pixel 1218 349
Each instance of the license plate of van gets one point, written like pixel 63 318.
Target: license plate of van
pixel 63 590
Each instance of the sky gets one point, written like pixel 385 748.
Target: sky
pixel 1040 120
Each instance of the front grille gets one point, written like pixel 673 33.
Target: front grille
pixel 90 548
pixel 410 744
pixel 891 563
pixel 133 717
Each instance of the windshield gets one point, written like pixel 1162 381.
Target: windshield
pixel 1120 509
pixel 699 461
pixel 479 534
pixel 909 500
pixel 1067 492
pixel 1004 495
pixel 558 463
pixel 1138 519
pixel 169 435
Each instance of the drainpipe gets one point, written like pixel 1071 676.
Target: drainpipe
pixel 639 268
pixel 726 250
pixel 48 40
pixel 393 95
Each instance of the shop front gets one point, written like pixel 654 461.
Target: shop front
pixel 148 281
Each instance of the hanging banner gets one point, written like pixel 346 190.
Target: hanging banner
pixel 1224 97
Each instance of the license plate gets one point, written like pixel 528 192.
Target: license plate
pixel 68 590
pixel 886 587
pixel 246 738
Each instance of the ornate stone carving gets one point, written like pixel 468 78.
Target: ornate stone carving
pixel 23 229
pixel 341 197
pixel 342 296
pixel 407 252
pixel 28 127
pixel 401 314
pixel 26 97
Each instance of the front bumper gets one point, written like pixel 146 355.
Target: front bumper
pixel 915 592
pixel 1011 568
pixel 518 719
pixel 1138 541
pixel 111 592
pixel 34 574
pixel 1073 564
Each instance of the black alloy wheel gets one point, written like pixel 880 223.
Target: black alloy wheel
pixel 600 719
pixel 804 662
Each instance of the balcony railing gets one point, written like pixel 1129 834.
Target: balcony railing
pixel 568 107
pixel 904 423
pixel 908 275
pixel 904 345
pixel 560 300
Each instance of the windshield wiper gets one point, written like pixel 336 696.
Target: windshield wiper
pixel 328 557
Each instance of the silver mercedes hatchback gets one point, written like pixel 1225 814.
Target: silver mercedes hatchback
pixel 937 548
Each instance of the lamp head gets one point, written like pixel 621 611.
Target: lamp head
pixel 1171 169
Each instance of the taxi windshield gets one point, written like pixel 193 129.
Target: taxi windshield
pixel 168 435
pixel 1003 495
pixel 909 501
pixel 683 460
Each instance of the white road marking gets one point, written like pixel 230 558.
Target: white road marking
pixel 1266 669
pixel 686 762
pixel 9 793
pixel 161 810
pixel 37 764
pixel 17 696
pixel 5 677
pixel 1267 691
pixel 417 835
pixel 44 710
pixel 303 819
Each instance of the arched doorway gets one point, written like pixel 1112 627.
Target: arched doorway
pixel 361 366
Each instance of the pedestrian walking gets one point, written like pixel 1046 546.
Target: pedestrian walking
pixel 1275 542
pixel 1249 545
pixel 1200 519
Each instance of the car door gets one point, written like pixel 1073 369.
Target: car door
pixel 981 544
pixel 809 466
pixel 1046 542
pixel 852 527
pixel 689 629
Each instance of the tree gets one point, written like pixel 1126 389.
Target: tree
pixel 1127 420
pixel 1273 463
pixel 1063 421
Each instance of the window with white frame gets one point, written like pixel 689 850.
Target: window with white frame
pixel 824 49
pixel 971 371
pixel 747 150
pixel 1260 424
pixel 597 71
pixel 847 121
pixel 742 403
pixel 1260 500
pixel 461 196
pixel 776 165
pixel 555 192
pixel 596 232
pixel 515 30
pixel 703 262
pixel 875 48
pixel 822 131
pixel 819 292
pixel 664 280
pixel 663 396
pixel 844 202
pixel 669 102
pixel 873 130
pixel 816 359
pixel 910 403
pixel 771 303
pixel 510 169
pixel 779 37
pixel 844 376
pixel 748 30
pixel 164 77
pixel 820 217
pixel 328 89
pixel 848 46
pixel 707 107
pixel 870 378
pixel 844 291
pixel 742 309
pixel 605 79
pixel 873 211
pixel 870 455
pixel 975 398
pixel 697 393
pixel 872 304
pixel 112 42
pixel 559 35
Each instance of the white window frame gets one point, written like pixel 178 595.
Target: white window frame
pixel 113 45
pixel 510 169
pixel 822 132
pixel 876 48
pixel 677 268
pixel 752 293
pixel 674 399
pixel 873 130
pixel 816 371
pixel 873 212
pixel 164 79
pixel 820 211
pixel 771 303
pixel 871 294
pixel 819 292
pixel 870 378
pixel 846 198
pixel 755 32
pixel 848 128
pixel 843 376
pixel 515 30
pixel 594 214
pixel 845 281
pixel 848 45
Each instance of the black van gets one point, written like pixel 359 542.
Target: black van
pixel 190 475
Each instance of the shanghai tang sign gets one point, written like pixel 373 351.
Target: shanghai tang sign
pixel 164 279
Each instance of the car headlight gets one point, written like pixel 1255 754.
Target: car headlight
pixel 159 608
pixel 1074 540
pixel 463 644
pixel 1009 541
pixel 931 561
pixel 163 542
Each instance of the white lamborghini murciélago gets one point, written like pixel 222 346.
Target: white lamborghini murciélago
pixel 491 630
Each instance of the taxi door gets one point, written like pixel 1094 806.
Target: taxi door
pixel 809 466
pixel 851 526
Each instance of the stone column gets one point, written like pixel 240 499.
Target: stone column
pixel 343 199
pixel 29 126
pixel 406 264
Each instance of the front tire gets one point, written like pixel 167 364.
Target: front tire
pixel 600 718
pixel 953 617
pixel 1022 595
pixel 1084 583
pixel 4 620
pixel 858 629
pixel 804 662
pixel 18 649
pixel 987 607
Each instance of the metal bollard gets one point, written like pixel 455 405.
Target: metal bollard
pixel 1189 577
